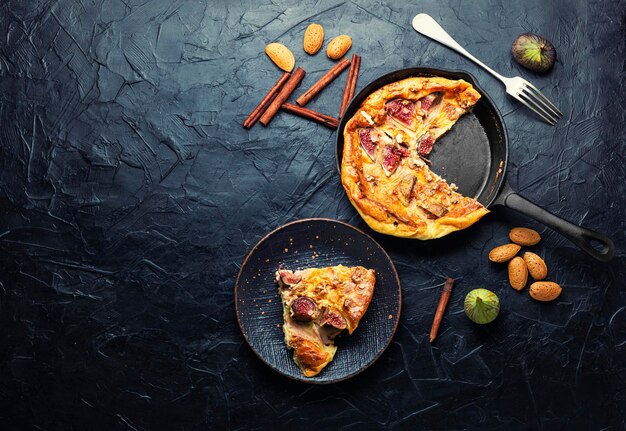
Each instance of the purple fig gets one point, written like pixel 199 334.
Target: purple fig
pixel 534 52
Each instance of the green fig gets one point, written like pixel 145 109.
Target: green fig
pixel 482 306
pixel 534 52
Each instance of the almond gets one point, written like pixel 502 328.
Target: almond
pixel 524 236
pixel 338 46
pixel 313 38
pixel 504 253
pixel 536 266
pixel 281 56
pixel 518 273
pixel 545 290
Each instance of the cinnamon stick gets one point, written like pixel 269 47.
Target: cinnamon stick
pixel 443 301
pixel 328 77
pixel 261 107
pixel 323 119
pixel 282 96
pixel 355 77
pixel 353 74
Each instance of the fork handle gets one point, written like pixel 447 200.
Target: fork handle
pixel 426 25
pixel 582 237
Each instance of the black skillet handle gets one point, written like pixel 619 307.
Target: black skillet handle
pixel 578 235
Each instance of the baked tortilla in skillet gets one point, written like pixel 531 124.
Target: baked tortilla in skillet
pixel 480 137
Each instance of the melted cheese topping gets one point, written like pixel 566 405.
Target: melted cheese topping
pixel 346 291
pixel 410 200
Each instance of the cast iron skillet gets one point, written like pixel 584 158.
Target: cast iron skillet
pixel 316 243
pixel 475 158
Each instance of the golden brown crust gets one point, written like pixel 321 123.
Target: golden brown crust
pixel 410 201
pixel 343 291
pixel 309 356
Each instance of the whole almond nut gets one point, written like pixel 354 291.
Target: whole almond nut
pixel 545 290
pixel 313 38
pixel 504 253
pixel 518 273
pixel 281 56
pixel 536 266
pixel 338 46
pixel 524 236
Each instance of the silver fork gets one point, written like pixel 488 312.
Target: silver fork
pixel 518 87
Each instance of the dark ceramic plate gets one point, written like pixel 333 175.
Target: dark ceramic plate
pixel 316 243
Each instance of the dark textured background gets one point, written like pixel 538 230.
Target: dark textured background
pixel 130 195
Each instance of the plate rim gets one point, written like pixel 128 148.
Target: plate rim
pixel 302 379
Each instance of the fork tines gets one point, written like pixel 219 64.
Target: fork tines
pixel 534 99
